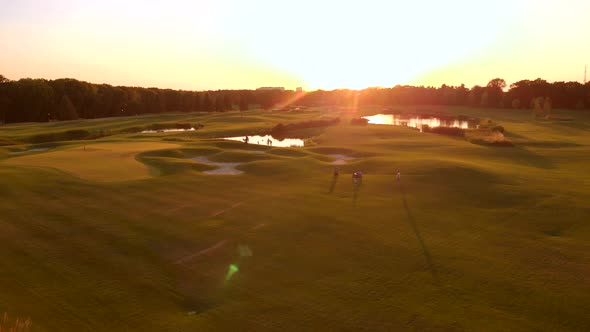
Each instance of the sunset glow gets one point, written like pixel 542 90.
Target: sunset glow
pixel 232 44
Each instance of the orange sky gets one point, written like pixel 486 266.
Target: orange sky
pixel 235 44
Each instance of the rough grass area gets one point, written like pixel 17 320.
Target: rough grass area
pixel 472 238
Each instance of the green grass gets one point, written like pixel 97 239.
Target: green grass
pixel 474 238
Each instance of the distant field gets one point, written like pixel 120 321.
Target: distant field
pixel 128 232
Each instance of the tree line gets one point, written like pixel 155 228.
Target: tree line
pixel 41 100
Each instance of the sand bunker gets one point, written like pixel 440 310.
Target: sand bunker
pixel 341 159
pixel 222 168
pixel 104 162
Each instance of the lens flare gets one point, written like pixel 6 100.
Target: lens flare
pixel 233 269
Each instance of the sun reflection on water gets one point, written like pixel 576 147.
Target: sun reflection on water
pixel 415 122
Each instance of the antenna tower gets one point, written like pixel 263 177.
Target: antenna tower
pixel 585 67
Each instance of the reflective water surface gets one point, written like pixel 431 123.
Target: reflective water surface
pixel 267 140
pixel 165 130
pixel 416 122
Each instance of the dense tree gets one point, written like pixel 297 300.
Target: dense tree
pixel 243 102
pixel 5 99
pixel 219 104
pixel 207 105
pixel 32 100
pixel 197 101
pixel 41 100
pixel 475 95
pixel 227 102
pixel 495 91
pixel 541 107
pixel 65 110
pixel 135 104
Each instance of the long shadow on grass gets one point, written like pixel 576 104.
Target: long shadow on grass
pixel 414 226
pixel 333 184
pixel 356 186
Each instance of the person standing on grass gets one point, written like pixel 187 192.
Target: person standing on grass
pixel 357 177
pixel 398 176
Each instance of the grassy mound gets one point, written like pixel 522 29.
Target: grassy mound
pixel 286 152
pixel 238 157
pixel 97 162
pixel 333 150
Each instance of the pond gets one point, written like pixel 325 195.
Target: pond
pixel 268 140
pixel 418 122
pixel 166 130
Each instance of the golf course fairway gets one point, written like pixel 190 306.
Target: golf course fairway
pixel 133 232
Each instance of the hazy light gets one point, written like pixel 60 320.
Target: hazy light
pixel 315 44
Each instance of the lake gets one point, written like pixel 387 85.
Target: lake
pixel 264 140
pixel 417 122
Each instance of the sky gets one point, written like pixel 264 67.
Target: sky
pixel 315 44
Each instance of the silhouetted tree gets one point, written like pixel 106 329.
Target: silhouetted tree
pixel 207 103
pixel 475 95
pixel 494 90
pixel 65 109
pixel 243 102
pixel 39 100
pixel 227 102
pixel 33 101
pixel 219 105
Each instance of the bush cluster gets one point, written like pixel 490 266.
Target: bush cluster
pixel 359 121
pixel 280 128
pixel 70 135
pixel 449 131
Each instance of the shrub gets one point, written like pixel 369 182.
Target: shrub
pixel 359 121
pixel 132 130
pixel 488 137
pixel 486 123
pixel 76 134
pixel 498 128
pixel 163 126
pixel 281 128
pixel 70 135
pixel 449 131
